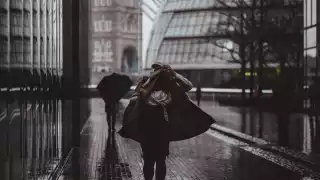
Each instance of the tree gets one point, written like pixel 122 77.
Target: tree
pixel 265 32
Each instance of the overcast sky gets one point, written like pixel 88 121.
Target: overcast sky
pixel 146 27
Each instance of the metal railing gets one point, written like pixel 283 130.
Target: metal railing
pixel 206 90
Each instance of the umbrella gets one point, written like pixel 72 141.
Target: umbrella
pixel 113 87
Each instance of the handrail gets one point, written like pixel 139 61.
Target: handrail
pixel 207 90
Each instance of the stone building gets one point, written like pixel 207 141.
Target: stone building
pixel 115 37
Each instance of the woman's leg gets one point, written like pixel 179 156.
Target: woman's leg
pixel 148 168
pixel 114 116
pixel 161 168
pixel 109 120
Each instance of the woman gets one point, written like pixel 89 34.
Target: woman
pixel 154 125
pixel 160 111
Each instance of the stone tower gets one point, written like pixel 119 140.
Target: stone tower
pixel 115 37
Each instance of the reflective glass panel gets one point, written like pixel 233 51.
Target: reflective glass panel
pixel 311 37
pixel 157 35
pixel 197 51
pixel 198 23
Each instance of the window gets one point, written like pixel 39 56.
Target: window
pixel 311 37
pixel 102 3
pixel 310 12
pixel 129 3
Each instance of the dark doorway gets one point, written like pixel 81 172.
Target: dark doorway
pixel 129 60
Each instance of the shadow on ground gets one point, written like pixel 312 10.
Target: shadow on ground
pixel 112 168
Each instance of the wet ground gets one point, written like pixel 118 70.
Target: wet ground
pixel 208 156
pixel 35 138
pixel 296 131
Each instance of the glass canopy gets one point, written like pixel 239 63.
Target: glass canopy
pixel 180 38
pixel 182 32
pixel 174 5
pixel 198 23
pixel 195 51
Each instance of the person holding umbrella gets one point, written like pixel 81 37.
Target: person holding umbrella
pixel 112 88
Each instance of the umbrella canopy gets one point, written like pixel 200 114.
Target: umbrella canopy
pixel 113 87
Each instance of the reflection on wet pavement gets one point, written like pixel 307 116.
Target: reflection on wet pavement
pixel 34 151
pixel 30 138
pixel 99 155
pixel 204 157
pixel 296 131
pixel 112 168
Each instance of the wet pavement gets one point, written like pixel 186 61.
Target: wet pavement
pixel 295 131
pixel 208 156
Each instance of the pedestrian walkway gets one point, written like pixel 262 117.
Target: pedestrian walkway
pixel 208 156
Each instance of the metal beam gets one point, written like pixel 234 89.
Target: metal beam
pixel 149 16
pixel 148 8
pixel 157 3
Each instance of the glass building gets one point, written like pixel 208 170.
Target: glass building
pixel 311 50
pixel 193 37
pixel 36 66
pixel 311 24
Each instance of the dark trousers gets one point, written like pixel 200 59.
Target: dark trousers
pixel 111 111
pixel 148 167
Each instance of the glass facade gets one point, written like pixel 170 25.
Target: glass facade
pixel 311 25
pixel 192 21
pixel 196 50
pixel 157 37
pixel 36 127
pixel 187 4
pixel 196 35
pixel 190 36
pixel 197 23
pixel 182 37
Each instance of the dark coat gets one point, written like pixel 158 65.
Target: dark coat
pixel 186 120
pixel 154 132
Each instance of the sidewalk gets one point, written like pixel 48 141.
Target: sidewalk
pixel 208 156
pixel 265 128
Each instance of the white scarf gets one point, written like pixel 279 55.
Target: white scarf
pixel 161 98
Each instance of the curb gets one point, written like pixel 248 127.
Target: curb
pixel 311 161
pixel 238 135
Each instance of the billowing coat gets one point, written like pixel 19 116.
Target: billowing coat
pixel 186 120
